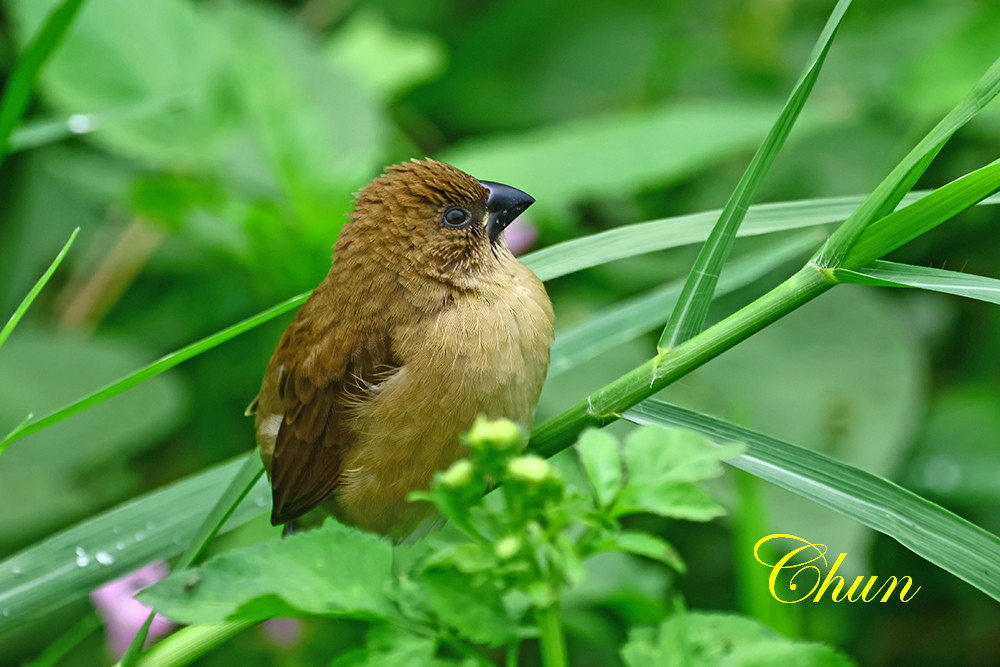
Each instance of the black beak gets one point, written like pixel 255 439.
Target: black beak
pixel 504 203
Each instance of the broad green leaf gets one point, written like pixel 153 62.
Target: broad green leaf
pixel 615 155
pixel 881 202
pixel 662 471
pixel 891 274
pixel 631 318
pixel 644 237
pixel 700 639
pixel 75 469
pixel 930 531
pixel 475 611
pixel 688 315
pixel 602 462
pixel 334 570
pixel 388 645
pixel 122 53
pixel 30 61
pixel 66 566
pixel 384 58
pixel 26 303
pixel 242 483
pixel 644 544
pixel 925 214
pixel 152 370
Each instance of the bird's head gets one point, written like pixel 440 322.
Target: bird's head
pixel 437 219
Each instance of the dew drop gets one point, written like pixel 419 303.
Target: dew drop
pixel 83 561
pixel 150 525
pixel 81 123
pixel 139 537
pixel 119 545
pixel 16 569
pixel 5 612
pixel 116 530
pixel 104 558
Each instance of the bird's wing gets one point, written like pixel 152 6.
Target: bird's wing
pixel 315 390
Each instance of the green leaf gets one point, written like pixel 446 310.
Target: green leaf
pixel 922 216
pixel 242 483
pixel 331 571
pixel 645 237
pixel 383 58
pixel 891 274
pixel 121 53
pixel 602 462
pixel 152 370
pixel 611 156
pixel 631 318
pixel 663 468
pixel 842 244
pixel 474 610
pixel 688 315
pixel 643 544
pixel 66 566
pixel 22 78
pixel 50 483
pixel 388 645
pixel 33 293
pixel 698 639
pixel 930 531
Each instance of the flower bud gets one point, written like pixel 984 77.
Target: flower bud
pixel 460 474
pixel 507 547
pixel 499 435
pixel 529 469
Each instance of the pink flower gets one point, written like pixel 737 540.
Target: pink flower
pixel 122 614
pixel 520 235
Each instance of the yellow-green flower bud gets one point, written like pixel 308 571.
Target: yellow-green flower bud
pixel 460 474
pixel 507 547
pixel 529 469
pixel 495 434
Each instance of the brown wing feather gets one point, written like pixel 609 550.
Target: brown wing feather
pixel 317 389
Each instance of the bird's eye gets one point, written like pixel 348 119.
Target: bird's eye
pixel 457 217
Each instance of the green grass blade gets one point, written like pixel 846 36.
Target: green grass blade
pixel 645 237
pixel 890 191
pixel 920 217
pixel 688 315
pixel 629 319
pixel 927 529
pixel 242 483
pixel 26 303
pixel 890 274
pixel 22 78
pixel 67 566
pixel 160 365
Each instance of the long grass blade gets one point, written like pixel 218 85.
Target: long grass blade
pixel 927 529
pixel 891 190
pixel 160 365
pixel 242 483
pixel 68 565
pixel 22 78
pixel 891 274
pixel 925 214
pixel 688 315
pixel 34 292
pixel 645 237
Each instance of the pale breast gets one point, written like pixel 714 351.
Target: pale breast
pixel 487 353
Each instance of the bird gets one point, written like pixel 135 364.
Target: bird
pixel 424 322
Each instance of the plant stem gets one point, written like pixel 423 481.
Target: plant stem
pixel 553 642
pixel 606 404
pixel 190 643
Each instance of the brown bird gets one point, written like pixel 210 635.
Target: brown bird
pixel 425 321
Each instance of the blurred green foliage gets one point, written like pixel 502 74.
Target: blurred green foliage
pixel 208 150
